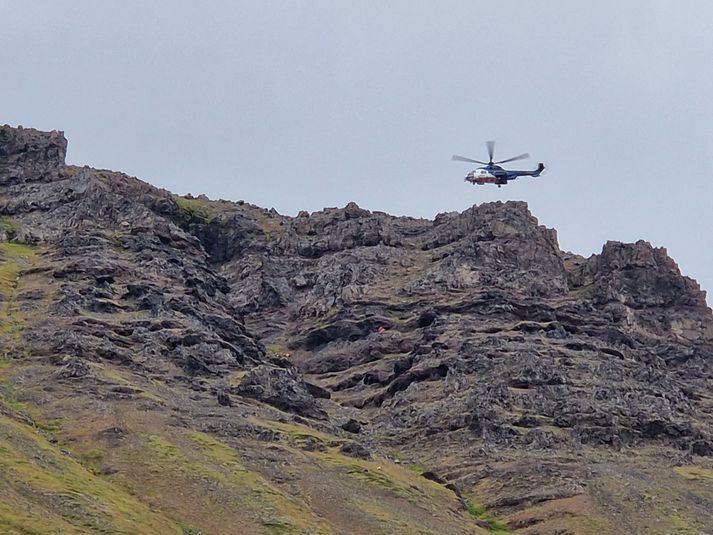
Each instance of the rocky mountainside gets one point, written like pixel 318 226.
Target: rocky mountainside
pixel 182 365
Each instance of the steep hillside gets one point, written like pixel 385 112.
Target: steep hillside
pixel 181 365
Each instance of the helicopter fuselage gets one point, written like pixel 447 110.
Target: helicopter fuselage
pixel 494 174
pixel 484 176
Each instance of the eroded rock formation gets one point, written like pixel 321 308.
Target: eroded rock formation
pixel 471 343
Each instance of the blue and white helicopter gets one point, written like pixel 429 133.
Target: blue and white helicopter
pixel 492 173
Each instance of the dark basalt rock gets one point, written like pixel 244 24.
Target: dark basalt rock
pixel 114 256
pixel 471 340
pixel 224 398
pixel 28 155
pixel 637 275
pixel 352 426
pixel 282 388
pixel 74 368
pixel 354 449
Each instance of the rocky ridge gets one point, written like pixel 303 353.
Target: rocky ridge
pixel 566 394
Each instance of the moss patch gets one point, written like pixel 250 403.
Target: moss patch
pixel 193 211
pixel 43 490
pixel 386 520
pixel 9 227
pixel 198 459
pixel 14 258
pixel 478 512
pixel 279 346
pixel 695 473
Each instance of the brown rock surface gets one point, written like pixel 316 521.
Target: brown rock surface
pixel 223 346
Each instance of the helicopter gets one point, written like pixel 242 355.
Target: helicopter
pixel 492 173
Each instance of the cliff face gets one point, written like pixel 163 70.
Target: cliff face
pixel 27 155
pixel 320 352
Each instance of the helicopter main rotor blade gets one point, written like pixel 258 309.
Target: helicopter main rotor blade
pixel 464 159
pixel 514 158
pixel 491 149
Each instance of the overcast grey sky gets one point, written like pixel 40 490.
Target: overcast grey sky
pixel 300 105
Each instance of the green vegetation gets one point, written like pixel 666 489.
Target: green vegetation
pixel 189 482
pixel 415 467
pixel 18 249
pixel 400 318
pixel 663 491
pixel 197 459
pixel 163 449
pixel 114 375
pixel 695 473
pixel 396 455
pixel 9 227
pixel 24 412
pixel 400 459
pixel 214 449
pixel 193 211
pixel 279 346
pixel 478 512
pixel 188 530
pixel 277 526
pixel 384 477
pixel 94 455
pixel 376 477
pixel 65 497
pixel 14 257
pixel 388 522
pixel 475 510
pixel 295 432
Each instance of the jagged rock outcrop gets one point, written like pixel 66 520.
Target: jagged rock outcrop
pixel 471 344
pixel 281 387
pixel 124 283
pixel 28 155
